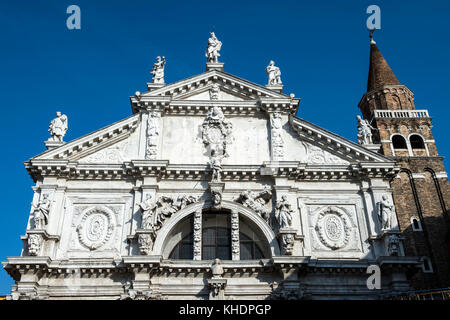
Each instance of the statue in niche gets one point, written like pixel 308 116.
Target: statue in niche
pixel 41 212
pixel 213 48
pixel 364 131
pixel 147 207
pixel 283 213
pixel 158 70
pixel 385 212
pixel 58 127
pixel 274 74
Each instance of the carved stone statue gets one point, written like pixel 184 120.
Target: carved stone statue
pixel 364 131
pixel 216 268
pixel 216 165
pixel 213 48
pixel 58 127
pixel 283 213
pixel 274 74
pixel 41 212
pixel 214 92
pixel 158 70
pixel 148 208
pixel 385 212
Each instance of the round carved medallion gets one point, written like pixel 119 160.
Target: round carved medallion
pixel 333 228
pixel 95 228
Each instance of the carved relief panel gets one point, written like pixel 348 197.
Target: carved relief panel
pixel 333 229
pixel 96 229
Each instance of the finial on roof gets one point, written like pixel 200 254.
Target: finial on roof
pixel 371 36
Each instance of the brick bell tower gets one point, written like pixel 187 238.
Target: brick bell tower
pixel 421 189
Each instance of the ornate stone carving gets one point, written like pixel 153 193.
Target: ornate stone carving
pixel 154 214
pixel 333 228
pixel 213 48
pixel 96 228
pixel 385 212
pixel 117 153
pixel 58 127
pixel 364 131
pixel 283 213
pixel 394 245
pixel 158 70
pixel 316 155
pixel 287 242
pixel 132 294
pixel 198 235
pixel 41 212
pixel 214 92
pixel 276 139
pixel 257 201
pixel 148 208
pixel 274 74
pixel 216 135
pixel 153 130
pixel 34 244
pixel 235 245
pixel 145 241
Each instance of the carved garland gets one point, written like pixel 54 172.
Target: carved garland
pixel 96 228
pixel 198 235
pixel 333 228
pixel 235 235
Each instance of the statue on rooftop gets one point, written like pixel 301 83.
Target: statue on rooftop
pixel 213 48
pixel 158 70
pixel 58 127
pixel 274 74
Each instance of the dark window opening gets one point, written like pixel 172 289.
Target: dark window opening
pixel 184 249
pixel 249 250
pixel 399 142
pixel 416 142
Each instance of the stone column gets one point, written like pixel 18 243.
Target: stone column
pixel 235 244
pixel 198 235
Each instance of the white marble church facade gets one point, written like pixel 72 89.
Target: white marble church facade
pixel 209 167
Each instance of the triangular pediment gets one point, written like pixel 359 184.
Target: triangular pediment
pixel 324 147
pixel 111 143
pixel 200 83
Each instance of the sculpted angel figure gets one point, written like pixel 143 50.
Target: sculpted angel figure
pixel 158 70
pixel 385 212
pixel 213 48
pixel 41 211
pixel 284 213
pixel 148 208
pixel 364 131
pixel 274 74
pixel 58 127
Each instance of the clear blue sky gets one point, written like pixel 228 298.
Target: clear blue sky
pixel 322 48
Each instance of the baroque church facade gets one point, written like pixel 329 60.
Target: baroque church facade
pixel 214 189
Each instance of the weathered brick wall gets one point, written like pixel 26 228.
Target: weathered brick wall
pixel 417 196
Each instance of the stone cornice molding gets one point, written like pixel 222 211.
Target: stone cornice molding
pixel 162 169
pixel 333 143
pixel 92 142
